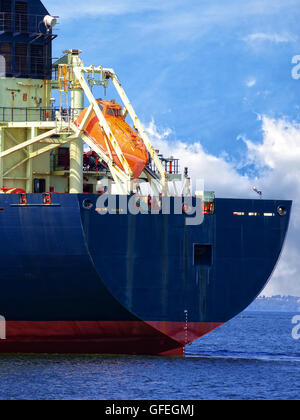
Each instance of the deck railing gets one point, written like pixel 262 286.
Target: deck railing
pixel 21 23
pixel 38 114
pixel 171 165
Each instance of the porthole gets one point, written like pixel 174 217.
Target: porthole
pixel 282 211
pixel 87 204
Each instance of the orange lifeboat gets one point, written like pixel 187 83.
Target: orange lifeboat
pixel 131 144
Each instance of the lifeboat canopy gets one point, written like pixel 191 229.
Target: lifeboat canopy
pixel 132 146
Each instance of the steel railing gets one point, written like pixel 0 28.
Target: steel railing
pixel 19 22
pixel 170 165
pixel 18 114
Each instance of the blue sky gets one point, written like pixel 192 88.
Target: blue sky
pixel 204 71
pixel 211 80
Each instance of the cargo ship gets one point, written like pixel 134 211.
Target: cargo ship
pixel 75 278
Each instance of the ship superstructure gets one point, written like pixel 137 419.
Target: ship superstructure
pixel 36 135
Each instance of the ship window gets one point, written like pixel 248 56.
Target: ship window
pixel 5 50
pixel 21 16
pixel 21 49
pixel 21 58
pixel 37 51
pixel 5 5
pixel 5 15
pixel 63 157
pixel 239 213
pixel 203 255
pixel 110 111
pixel 269 214
pixel 39 186
pixel 253 214
pixel 88 188
pixel 114 112
pixel 37 61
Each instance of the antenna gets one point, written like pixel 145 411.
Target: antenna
pixel 255 189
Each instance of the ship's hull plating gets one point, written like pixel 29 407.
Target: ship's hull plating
pixel 75 281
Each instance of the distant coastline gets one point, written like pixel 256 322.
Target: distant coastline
pixel 276 304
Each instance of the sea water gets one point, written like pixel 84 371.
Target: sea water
pixel 254 356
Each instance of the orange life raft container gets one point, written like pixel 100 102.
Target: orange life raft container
pixel 130 143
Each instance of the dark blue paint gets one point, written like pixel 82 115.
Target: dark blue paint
pixel 163 281
pixel 63 262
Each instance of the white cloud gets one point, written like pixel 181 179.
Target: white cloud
pixel 251 82
pixel 201 164
pixel 269 37
pixel 277 161
pixel 171 18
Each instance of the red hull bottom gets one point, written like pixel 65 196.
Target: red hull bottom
pixel 130 338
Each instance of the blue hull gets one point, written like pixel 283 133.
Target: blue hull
pixel 64 263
